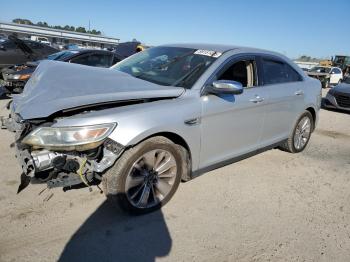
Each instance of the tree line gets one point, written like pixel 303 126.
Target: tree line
pixel 305 58
pixel 79 29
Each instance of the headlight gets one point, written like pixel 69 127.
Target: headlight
pixel 14 77
pixel 69 138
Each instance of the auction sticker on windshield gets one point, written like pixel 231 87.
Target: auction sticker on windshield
pixel 207 53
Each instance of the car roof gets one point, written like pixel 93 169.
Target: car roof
pixel 218 47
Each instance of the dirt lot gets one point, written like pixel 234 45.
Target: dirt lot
pixel 272 207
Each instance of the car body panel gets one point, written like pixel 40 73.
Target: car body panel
pixel 148 119
pixel 281 106
pixel 57 86
pixel 206 122
pixel 231 125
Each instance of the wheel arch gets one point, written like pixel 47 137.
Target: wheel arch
pixel 314 116
pixel 176 139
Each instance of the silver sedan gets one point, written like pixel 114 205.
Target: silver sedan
pixel 164 115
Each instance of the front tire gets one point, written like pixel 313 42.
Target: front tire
pixel 146 176
pixel 301 134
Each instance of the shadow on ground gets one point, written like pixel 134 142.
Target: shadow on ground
pixel 111 235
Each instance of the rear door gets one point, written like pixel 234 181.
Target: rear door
pixel 284 91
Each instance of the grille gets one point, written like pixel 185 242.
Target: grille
pixel 343 100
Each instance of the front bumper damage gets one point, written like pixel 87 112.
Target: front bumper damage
pixel 60 169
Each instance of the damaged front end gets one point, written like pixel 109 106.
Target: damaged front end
pixel 71 157
pixel 57 143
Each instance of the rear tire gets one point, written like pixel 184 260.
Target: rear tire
pixel 137 186
pixel 300 136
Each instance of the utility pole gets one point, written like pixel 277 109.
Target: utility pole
pixel 89 25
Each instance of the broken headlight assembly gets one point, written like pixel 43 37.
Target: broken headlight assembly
pixel 69 138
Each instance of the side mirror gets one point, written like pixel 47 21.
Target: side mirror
pixel 226 87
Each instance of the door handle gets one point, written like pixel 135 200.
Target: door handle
pixel 299 92
pixel 256 99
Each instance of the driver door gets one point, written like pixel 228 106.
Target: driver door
pixel 232 124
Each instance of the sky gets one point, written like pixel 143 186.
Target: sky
pixel 318 28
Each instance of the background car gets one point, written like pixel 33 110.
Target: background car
pixel 338 97
pixel 14 51
pixel 127 49
pixel 15 77
pixel 329 76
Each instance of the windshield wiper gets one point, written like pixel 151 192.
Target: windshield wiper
pixel 188 76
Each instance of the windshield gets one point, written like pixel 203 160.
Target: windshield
pixel 61 55
pixel 169 66
pixel 320 69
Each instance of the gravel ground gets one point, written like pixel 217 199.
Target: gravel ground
pixel 272 207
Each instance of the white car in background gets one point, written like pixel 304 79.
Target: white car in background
pixel 329 76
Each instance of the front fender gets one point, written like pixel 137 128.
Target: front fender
pixel 164 117
pixel 139 121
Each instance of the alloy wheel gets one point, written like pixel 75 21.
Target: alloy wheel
pixel 302 133
pixel 151 178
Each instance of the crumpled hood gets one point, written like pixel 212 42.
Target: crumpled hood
pixel 342 88
pixel 56 86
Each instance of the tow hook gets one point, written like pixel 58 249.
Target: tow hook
pixel 25 180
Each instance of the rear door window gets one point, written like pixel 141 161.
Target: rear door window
pixel 82 59
pixel 98 60
pixel 276 72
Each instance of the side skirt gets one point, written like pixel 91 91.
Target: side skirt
pixel 203 170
